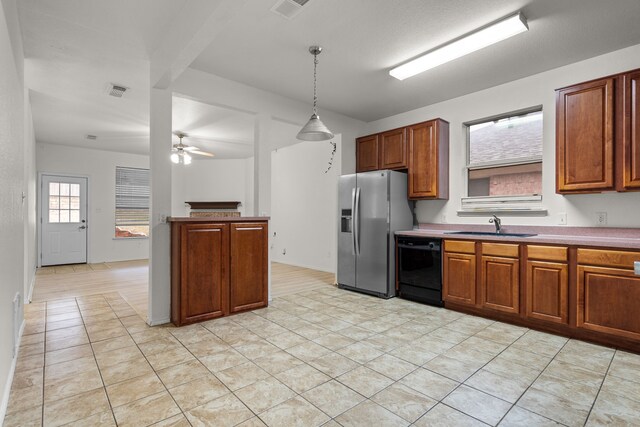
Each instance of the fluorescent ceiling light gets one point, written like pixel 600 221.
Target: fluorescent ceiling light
pixel 476 40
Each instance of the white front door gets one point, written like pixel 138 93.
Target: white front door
pixel 63 214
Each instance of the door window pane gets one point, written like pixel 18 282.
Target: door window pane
pixel 54 188
pixel 54 202
pixel 64 216
pixel 64 202
pixel 64 189
pixel 74 216
pixel 75 190
pixel 74 203
pixel 54 216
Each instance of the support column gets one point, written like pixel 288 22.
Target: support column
pixel 160 239
pixel 262 165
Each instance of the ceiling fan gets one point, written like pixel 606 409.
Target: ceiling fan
pixel 181 153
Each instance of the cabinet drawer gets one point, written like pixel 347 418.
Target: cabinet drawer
pixel 500 249
pixel 460 246
pixel 547 253
pixel 605 258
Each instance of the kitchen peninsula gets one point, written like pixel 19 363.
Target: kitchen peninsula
pixel 219 266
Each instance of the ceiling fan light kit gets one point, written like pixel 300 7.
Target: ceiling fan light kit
pixel 180 152
pixel 315 130
pixel 476 40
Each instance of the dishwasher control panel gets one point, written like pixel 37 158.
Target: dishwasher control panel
pixel 636 268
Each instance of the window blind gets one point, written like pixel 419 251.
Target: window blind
pixel 132 196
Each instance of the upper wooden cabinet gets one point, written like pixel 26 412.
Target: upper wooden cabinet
pixel 393 149
pixel 367 153
pixel 585 131
pixel 429 160
pixel 628 149
pixel 597 136
pixel 422 148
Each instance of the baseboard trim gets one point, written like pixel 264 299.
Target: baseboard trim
pixel 158 322
pixel 7 387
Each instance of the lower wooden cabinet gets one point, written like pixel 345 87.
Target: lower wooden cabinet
pixel 217 268
pixel 547 290
pixel 249 267
pixel 608 292
pixel 459 278
pixel 500 284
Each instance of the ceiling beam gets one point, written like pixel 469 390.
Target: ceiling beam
pixel 191 32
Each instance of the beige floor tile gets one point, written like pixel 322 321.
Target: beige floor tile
pixel 286 340
pixel 554 407
pixel 125 370
pixel 295 412
pixel 333 341
pixel 449 335
pixel 308 351
pixel 159 345
pixel 365 381
pixel 525 358
pixel 391 366
pixel 134 389
pixel 198 392
pixel 99 266
pixel 65 343
pixel 333 398
pixel 334 364
pixel 207 346
pixel 103 419
pixel 367 414
pixel 103 334
pixel 31 349
pixel 256 349
pixel 75 407
pixel 150 334
pixel 175 421
pixel 241 375
pixel 28 418
pixel 264 394
pixel 360 352
pixel 625 365
pixel 477 404
pixel 112 344
pixel 452 368
pixel 615 410
pixel 356 333
pixel 277 362
pixel 21 399
pixel 302 378
pixel 176 375
pixel 147 410
pixel 518 417
pixel 168 358
pixel 113 357
pixel 445 416
pixel 413 354
pixel 29 378
pixel 223 360
pixel 252 422
pixel 27 363
pixel 404 402
pixel 67 354
pixel 62 370
pixel 226 411
pixel 506 388
pixel 65 333
pixel 621 387
pixel 72 385
pixel 581 394
pixel 507 368
pixel 429 383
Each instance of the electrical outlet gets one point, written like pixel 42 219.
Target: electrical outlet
pixel 562 218
pixel 443 219
pixel 601 218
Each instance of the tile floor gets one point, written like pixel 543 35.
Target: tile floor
pixel 324 357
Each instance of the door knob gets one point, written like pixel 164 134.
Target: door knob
pixel 82 227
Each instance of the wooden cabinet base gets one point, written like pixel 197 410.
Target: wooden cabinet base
pixel 557 329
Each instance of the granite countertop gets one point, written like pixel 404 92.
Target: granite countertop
pixel 218 219
pixel 605 237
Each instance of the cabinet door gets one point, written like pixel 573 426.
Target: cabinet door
pixel 204 271
pixel 459 278
pixel 393 149
pixel 499 284
pixel 249 266
pixel 367 154
pixel 608 301
pixel 584 128
pixel 629 153
pixel 423 161
pixel 547 291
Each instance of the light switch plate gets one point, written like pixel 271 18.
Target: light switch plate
pixel 636 268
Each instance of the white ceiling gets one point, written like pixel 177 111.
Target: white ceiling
pixel 75 48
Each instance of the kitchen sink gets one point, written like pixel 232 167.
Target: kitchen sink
pixel 490 233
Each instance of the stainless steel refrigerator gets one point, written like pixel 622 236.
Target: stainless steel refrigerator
pixel 372 206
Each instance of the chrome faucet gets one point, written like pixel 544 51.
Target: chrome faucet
pixel 497 222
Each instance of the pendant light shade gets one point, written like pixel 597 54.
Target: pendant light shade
pixel 315 130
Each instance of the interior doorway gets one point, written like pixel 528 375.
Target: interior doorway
pixel 63 220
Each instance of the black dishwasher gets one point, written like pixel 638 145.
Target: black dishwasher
pixel 420 269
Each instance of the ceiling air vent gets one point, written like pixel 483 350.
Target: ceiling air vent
pixel 117 90
pixel 288 8
pixel 92 137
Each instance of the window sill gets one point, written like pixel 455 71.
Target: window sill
pixel 515 211
pixel 130 238
pixel 513 205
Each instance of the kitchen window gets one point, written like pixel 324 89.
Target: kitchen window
pixel 132 202
pixel 504 163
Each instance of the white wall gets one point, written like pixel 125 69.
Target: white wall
pixel 15 151
pixel 100 167
pixel 622 208
pixel 304 205
pixel 211 180
pixel 29 204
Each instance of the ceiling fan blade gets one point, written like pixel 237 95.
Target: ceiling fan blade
pixel 190 148
pixel 202 153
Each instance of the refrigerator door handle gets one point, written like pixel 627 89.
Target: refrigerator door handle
pixel 356 228
pixel 353 219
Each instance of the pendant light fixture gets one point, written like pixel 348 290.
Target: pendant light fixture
pixel 315 130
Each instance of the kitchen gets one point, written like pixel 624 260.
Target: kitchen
pixel 492 98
